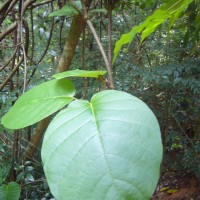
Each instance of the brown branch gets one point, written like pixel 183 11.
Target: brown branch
pixel 45 51
pixel 8 30
pixel 10 59
pixel 26 44
pixel 108 67
pixel 10 7
pixel 7 7
pixel 11 47
pixel 42 3
pixel 26 5
pixel 110 5
pixel 32 36
pixel 24 49
pixel 83 65
pixel 36 138
pixel 49 39
pixel 11 74
pixel 110 36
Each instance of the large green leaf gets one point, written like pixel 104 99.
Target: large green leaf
pixel 38 103
pixel 106 149
pixel 79 73
pixel 10 191
pixel 171 10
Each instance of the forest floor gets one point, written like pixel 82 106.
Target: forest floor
pixel 174 186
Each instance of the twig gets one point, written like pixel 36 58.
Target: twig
pixel 8 30
pixel 13 56
pixel 112 86
pixel 12 73
pixel 110 36
pixel 7 47
pixel 49 39
pixel 83 64
pixel 26 5
pixel 32 35
pixel 7 7
pixel 42 3
pixel 89 23
pixel 23 48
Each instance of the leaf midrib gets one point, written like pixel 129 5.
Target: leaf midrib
pixel 100 140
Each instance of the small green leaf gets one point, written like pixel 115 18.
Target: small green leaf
pixel 107 149
pixel 125 39
pixel 38 103
pixel 79 73
pixel 66 10
pixel 152 22
pixel 11 191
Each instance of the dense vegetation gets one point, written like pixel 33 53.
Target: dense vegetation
pixel 40 38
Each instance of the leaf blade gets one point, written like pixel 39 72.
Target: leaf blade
pixel 38 103
pixel 66 10
pixel 95 150
pixel 11 191
pixel 79 73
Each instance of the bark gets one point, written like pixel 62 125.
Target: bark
pixel 78 23
pixel 36 138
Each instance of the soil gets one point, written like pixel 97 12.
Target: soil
pixel 173 186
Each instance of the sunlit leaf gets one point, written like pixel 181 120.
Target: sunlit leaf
pixel 38 103
pixel 109 148
pixel 66 10
pixel 79 73
pixel 171 10
pixel 125 39
pixel 152 22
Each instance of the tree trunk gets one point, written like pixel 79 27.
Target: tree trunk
pixel 78 23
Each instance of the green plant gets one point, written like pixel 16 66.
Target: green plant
pixel 106 148
pixel 11 191
pixel 170 10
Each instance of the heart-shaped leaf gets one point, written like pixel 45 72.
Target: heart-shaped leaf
pixel 106 149
pixel 10 191
pixel 80 73
pixel 38 103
